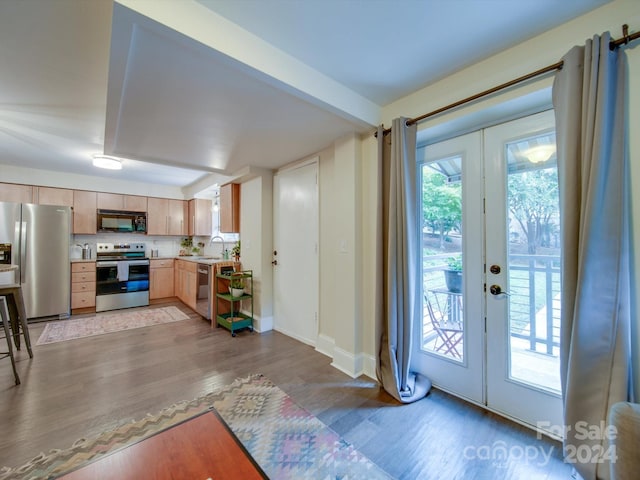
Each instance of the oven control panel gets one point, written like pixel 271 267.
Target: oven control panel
pixel 114 251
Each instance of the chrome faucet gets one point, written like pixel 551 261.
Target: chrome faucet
pixel 222 240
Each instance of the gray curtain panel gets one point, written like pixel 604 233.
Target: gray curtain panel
pixel 399 267
pixel 590 108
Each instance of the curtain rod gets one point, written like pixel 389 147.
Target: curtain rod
pixel 625 39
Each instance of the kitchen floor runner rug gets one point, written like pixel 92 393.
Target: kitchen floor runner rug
pixel 99 324
pixel 286 441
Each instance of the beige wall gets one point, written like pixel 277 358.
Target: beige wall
pixel 256 234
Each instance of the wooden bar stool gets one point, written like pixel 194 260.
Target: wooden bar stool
pixel 4 316
pixel 17 314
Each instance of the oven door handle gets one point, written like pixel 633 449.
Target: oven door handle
pixel 100 264
pixel 137 262
pixel 106 264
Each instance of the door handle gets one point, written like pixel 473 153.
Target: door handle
pixel 497 290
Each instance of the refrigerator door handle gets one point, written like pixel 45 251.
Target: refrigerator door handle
pixel 23 252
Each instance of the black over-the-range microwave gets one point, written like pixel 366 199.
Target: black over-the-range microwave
pixel 123 222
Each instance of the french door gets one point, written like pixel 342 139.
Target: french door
pixel 491 219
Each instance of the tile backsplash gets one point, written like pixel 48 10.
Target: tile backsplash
pixel 166 246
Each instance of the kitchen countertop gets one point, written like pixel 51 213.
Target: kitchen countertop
pixel 206 260
pixel 203 260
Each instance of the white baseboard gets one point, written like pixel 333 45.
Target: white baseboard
pixel 262 324
pixel 294 336
pixel 325 345
pixel 370 365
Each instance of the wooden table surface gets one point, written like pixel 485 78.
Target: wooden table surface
pixel 201 448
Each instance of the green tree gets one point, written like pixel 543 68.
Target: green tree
pixel 533 202
pixel 441 204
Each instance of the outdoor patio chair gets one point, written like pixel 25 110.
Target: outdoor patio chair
pixel 450 333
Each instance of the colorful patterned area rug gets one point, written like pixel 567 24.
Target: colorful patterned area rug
pixel 283 438
pixel 107 323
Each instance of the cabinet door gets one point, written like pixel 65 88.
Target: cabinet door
pixel 200 217
pixel 230 208
pixel 84 212
pixel 10 192
pixel 157 216
pixel 191 280
pixel 110 201
pixel 177 216
pixel 161 283
pixel 55 196
pixel 135 203
pixel 177 280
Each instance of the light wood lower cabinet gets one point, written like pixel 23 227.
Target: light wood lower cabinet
pixel 161 279
pixel 186 282
pixel 83 285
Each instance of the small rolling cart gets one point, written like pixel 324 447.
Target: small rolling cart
pixel 234 300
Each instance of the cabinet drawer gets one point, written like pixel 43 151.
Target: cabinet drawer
pixel 83 267
pixel 83 299
pixel 167 263
pixel 83 277
pixel 83 287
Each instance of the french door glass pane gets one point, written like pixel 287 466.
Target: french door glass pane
pixel 443 313
pixel 534 261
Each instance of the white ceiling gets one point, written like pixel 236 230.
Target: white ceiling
pixel 207 87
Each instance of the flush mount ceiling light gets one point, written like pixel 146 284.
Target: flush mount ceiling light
pixel 105 161
pixel 540 154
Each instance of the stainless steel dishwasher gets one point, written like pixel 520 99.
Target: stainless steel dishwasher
pixel 203 304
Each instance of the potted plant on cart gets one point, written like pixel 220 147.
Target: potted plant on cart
pixel 453 274
pixel 236 285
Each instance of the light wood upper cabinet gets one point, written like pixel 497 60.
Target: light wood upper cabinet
pixel 200 217
pixel 85 219
pixel 230 208
pixel 135 203
pixel 115 201
pixel 157 216
pixel 166 216
pixel 178 211
pixel 54 196
pixel 11 192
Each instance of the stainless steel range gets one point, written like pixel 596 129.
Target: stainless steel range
pixel 122 276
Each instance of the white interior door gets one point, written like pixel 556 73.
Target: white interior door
pixel 490 205
pixel 296 269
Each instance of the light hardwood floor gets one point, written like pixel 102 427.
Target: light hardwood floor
pixel 82 387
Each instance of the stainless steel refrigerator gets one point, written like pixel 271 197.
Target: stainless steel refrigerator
pixel 38 238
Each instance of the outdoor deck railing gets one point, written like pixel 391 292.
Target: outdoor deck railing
pixel 534 288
